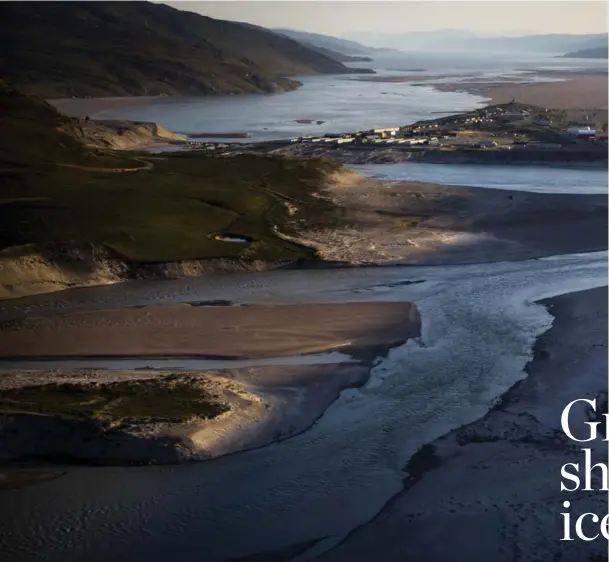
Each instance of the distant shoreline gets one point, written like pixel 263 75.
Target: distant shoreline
pixel 574 91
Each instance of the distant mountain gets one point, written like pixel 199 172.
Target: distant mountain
pixel 340 57
pixel 598 53
pixel 461 40
pixel 411 40
pixel 62 49
pixel 328 42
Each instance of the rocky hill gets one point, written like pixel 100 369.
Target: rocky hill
pixel 60 49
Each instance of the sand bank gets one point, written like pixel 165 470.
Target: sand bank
pixel 424 223
pixel 264 404
pixel 388 222
pixel 491 489
pixel 405 78
pixel 125 135
pixel 44 268
pixel 575 91
pixel 244 407
pixel 227 332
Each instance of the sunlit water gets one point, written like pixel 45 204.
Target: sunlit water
pixel 343 103
pixel 479 325
pixel 520 178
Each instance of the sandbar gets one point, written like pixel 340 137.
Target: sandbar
pixel 219 332
pixel 575 91
pixel 264 405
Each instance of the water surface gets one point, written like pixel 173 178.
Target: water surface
pixel 345 103
pixel 479 325
pixel 539 179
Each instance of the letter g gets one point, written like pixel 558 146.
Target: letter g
pixel 564 421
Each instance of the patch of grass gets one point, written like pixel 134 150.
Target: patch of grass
pixel 163 399
pixel 54 189
pixel 173 211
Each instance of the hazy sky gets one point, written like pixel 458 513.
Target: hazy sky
pixel 490 17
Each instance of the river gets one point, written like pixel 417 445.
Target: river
pixel 537 179
pixel 348 102
pixel 479 324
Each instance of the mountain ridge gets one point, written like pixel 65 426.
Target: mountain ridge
pixel 89 49
pixel 329 42
pixel 455 39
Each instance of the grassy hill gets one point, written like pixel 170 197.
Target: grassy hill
pixel 36 138
pixel 63 49
pixel 55 190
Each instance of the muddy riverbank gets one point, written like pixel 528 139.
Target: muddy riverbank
pixel 377 222
pixel 490 490
pixel 424 223
pixel 189 330
pixel 565 157
pixel 259 405
pixel 569 91
pixel 144 416
pixel 479 326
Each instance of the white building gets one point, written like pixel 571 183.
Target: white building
pixel 387 130
pixel 579 130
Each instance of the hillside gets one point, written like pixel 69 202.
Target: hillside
pixel 35 137
pixel 335 44
pixel 336 55
pixel 61 49
pixel 598 53
pixel 68 212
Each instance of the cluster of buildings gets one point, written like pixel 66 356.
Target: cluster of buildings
pixel 209 145
pixel 586 133
pixel 409 136
pixel 528 125
pixel 487 115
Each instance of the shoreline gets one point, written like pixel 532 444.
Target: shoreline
pixel 575 91
pixel 262 411
pixel 416 223
pixel 387 223
pixel 258 405
pixel 557 158
pixel 184 330
pixel 519 440
pixel 82 107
